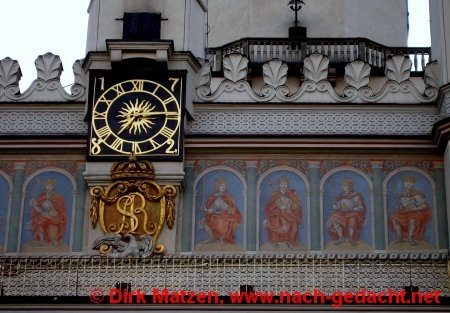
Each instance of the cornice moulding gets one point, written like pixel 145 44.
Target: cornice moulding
pixel 97 60
pixel 121 50
pixel 318 107
pixel 298 145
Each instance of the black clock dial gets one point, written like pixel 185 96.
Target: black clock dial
pixel 136 115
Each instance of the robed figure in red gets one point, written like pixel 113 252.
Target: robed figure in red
pixel 222 217
pixel 48 215
pixel 412 215
pixel 348 215
pixel 283 215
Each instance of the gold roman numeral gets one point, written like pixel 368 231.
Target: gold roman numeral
pixel 156 89
pixel 117 144
pixel 138 85
pixel 173 116
pixel 136 148
pixel 104 132
pixel 168 100
pixel 103 99
pixel 99 115
pixel 118 89
pixel 153 143
pixel 167 132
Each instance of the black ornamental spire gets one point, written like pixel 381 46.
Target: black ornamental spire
pixel 296 5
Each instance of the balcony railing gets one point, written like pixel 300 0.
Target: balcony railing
pixel 339 51
pixel 78 276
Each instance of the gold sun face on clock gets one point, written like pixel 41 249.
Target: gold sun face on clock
pixel 136 115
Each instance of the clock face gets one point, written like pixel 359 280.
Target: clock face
pixel 136 114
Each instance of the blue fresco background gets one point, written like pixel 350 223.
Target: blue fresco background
pixel 4 201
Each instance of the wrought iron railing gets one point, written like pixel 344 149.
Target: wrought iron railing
pixel 339 50
pixel 78 276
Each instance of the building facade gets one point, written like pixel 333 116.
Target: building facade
pixel 210 146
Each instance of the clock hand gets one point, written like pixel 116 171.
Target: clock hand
pixel 127 124
pixel 145 114
pixel 137 115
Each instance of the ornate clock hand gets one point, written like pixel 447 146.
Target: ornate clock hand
pixel 145 114
pixel 129 122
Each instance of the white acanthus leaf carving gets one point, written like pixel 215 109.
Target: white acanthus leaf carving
pixel 204 75
pixel 398 68
pixel 431 75
pixel 79 86
pixel 357 74
pixel 275 73
pixel 48 66
pixel 80 77
pixel 315 67
pixel 10 73
pixel 47 87
pixel 235 67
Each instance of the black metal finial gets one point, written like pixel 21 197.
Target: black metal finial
pixel 296 5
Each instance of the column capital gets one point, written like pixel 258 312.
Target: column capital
pixel 251 164
pixel 19 165
pixel 437 164
pixel 376 164
pixel 81 166
pixel 314 164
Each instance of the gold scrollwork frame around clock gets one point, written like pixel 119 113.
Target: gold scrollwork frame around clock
pixel 136 207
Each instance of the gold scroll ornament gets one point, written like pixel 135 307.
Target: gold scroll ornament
pixel 134 203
